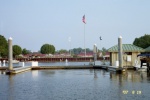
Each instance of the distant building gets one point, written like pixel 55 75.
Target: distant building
pixel 88 54
pixel 57 55
pixel 35 55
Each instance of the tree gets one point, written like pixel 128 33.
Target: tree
pixel 143 41
pixel 104 50
pixel 16 50
pixel 88 50
pixel 25 51
pixel 63 51
pixel 3 46
pixel 47 49
pixel 52 49
pixel 77 50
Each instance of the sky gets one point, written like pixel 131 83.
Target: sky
pixel 32 23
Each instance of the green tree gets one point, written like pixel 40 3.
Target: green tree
pixel 3 46
pixel 143 41
pixel 77 50
pixel 47 49
pixel 104 50
pixel 62 51
pixel 25 51
pixel 16 50
pixel 52 49
pixel 88 50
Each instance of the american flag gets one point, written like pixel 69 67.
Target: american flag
pixel 83 19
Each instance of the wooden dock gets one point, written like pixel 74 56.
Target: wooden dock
pixel 18 70
pixel 3 68
pixel 110 68
pixel 63 67
pixel 23 69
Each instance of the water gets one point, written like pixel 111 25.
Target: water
pixel 84 84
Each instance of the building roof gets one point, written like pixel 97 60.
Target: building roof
pixel 147 49
pixel 126 48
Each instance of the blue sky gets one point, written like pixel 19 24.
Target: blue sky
pixel 32 23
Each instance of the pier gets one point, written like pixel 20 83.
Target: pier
pixel 109 68
pixel 28 68
pixel 18 70
pixel 23 69
pixel 63 67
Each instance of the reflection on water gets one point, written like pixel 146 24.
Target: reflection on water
pixel 130 76
pixel 86 84
pixel 35 73
pixel 2 72
pixel 95 74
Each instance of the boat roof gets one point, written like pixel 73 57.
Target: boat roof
pixel 146 55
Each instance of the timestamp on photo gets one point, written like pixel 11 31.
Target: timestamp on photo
pixel 134 92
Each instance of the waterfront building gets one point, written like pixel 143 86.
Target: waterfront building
pixel 130 53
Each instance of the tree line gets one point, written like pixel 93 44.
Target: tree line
pixel 17 50
pixel 45 49
pixel 74 50
pixel 143 41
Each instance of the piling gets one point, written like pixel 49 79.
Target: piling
pixel 120 53
pixel 10 54
pixel 95 52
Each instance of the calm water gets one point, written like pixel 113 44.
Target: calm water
pixel 86 84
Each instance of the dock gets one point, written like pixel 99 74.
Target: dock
pixel 18 70
pixel 110 68
pixel 63 67
pixel 23 69
pixel 3 68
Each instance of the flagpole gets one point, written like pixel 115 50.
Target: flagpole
pixel 83 19
pixel 84 43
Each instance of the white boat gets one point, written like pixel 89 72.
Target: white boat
pixel 139 67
